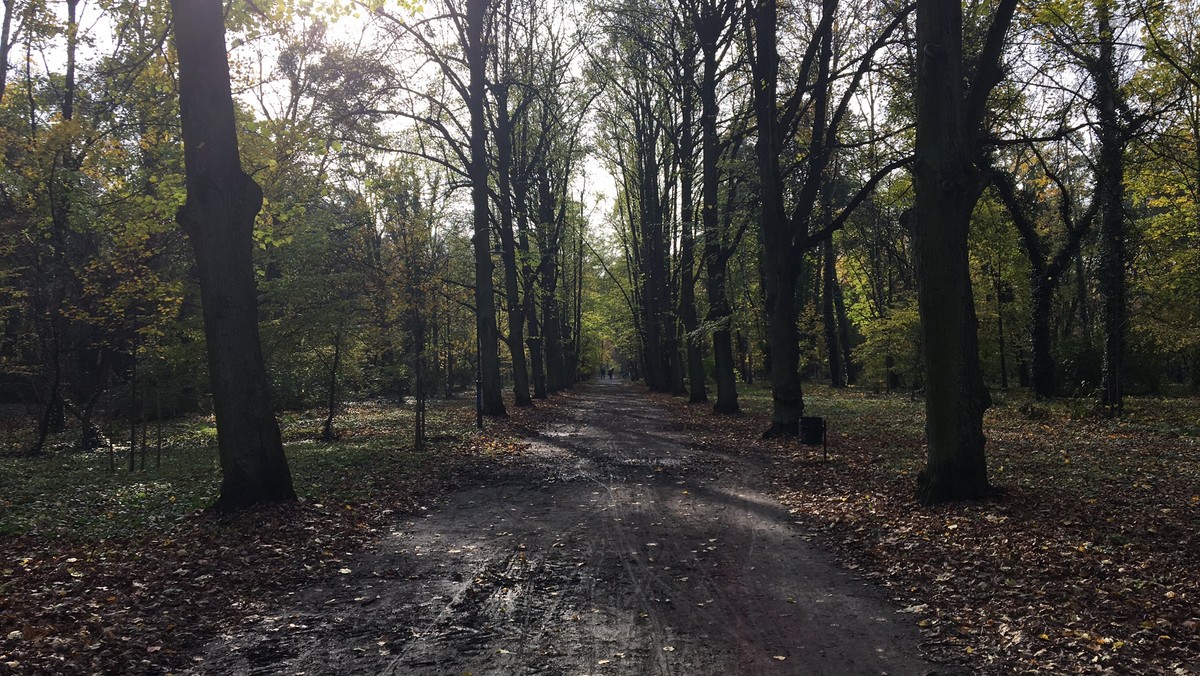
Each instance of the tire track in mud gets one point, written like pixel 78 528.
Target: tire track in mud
pixel 612 547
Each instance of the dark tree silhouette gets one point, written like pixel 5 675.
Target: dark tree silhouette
pixel 950 114
pixel 218 217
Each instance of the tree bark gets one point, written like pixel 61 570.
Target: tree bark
pixel 720 315
pixel 485 294
pixel 218 217
pixel 781 262
pixel 1042 369
pixel 947 187
pixel 1110 190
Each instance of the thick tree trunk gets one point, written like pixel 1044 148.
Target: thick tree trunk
pixel 780 259
pixel 720 315
pixel 947 188
pixel 955 395
pixel 787 396
pixel 1041 376
pixel 218 217
pixel 1110 190
pixel 485 295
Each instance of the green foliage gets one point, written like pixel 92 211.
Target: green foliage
pixel 891 346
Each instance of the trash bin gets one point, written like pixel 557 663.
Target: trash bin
pixel 813 433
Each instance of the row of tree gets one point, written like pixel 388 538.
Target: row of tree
pixel 890 173
pixel 913 195
pixel 325 199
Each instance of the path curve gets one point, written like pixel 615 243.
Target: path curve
pixel 614 547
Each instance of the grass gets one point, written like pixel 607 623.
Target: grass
pixel 74 496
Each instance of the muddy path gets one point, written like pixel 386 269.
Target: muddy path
pixel 613 547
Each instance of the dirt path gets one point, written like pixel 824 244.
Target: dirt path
pixel 614 547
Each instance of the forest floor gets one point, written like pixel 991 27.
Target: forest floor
pixel 610 545
pixel 1085 560
pixel 612 532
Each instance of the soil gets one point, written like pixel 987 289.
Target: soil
pixel 613 545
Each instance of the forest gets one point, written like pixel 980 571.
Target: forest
pixel 346 250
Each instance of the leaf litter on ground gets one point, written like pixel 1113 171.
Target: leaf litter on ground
pixel 1085 560
pixel 142 595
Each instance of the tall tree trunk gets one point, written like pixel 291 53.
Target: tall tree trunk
pixel 837 371
pixel 781 261
pixel 948 185
pixel 787 396
pixel 1110 190
pixel 485 295
pixel 698 392
pixel 720 315
pixel 516 305
pixel 218 217
pixel 1041 375
pixel 533 335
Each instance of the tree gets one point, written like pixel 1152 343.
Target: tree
pixel 811 116
pixel 471 25
pixel 715 23
pixel 950 115
pixel 638 124
pixel 1046 268
pixel 218 217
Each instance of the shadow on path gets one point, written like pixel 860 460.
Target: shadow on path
pixel 613 547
